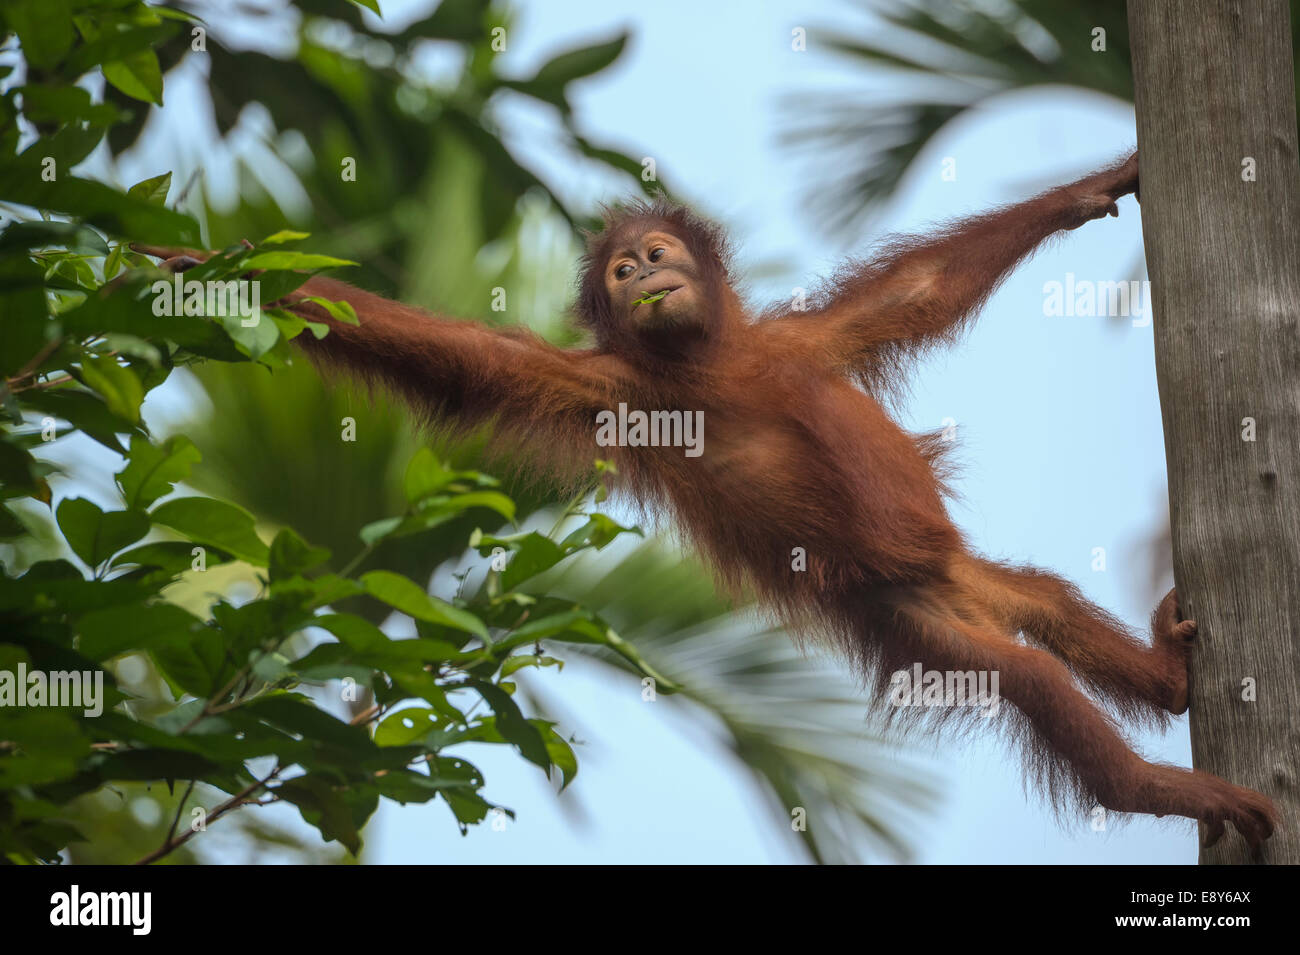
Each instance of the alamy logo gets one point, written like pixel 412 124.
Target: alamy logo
pixel 653 429
pixel 917 687
pixel 75 907
pixel 1086 298
pixel 180 296
pixel 75 688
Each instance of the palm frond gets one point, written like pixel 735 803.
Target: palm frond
pixel 793 720
pixel 955 56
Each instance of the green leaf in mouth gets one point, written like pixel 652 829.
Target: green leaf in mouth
pixel 652 297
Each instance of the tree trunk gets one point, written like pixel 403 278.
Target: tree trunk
pixel 1220 193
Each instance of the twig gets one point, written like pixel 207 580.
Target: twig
pixel 185 190
pixel 356 561
pixel 212 701
pixel 179 809
pixel 30 368
pixel 572 508
pixel 234 802
pixel 366 715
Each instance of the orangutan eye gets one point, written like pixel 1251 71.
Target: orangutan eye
pixel 623 271
pixel 657 254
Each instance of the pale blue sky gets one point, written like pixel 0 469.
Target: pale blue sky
pixel 1058 420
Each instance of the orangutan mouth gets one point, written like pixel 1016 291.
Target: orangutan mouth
pixel 655 296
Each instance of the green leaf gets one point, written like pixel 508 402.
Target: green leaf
pixel 130 346
pixel 66 104
pixel 118 385
pixel 272 667
pixel 651 298
pixel 377 530
pixel 215 523
pixel 152 190
pixel 437 511
pixel 468 807
pixel 51 743
pixel 336 812
pixel 111 44
pixel 95 536
pixel 372 5
pixel 339 311
pixel 199 666
pixel 577 63
pixel 629 653
pixel 44 29
pixel 355 632
pixel 70 145
pixel 365 643
pixel 113 264
pixel 577 621
pixel 128 310
pixel 460 20
pixel 117 213
pixel 59 583
pixel 294 260
pixel 108 633
pixel 320 591
pixel 424 475
pixel 405 595
pixel 511 724
pixel 294 713
pixel 26 322
pixel 11 525
pixel 284 235
pixel 254 340
pixel 560 751
pixel 492 500
pixel 523 660
pixel 144 765
pixel 581 626
pixel 599 531
pixel 84 411
pixel 291 555
pixel 138 76
pixel 327 662
pixel 550 81
pixel 291 324
pixel 19 471
pixel 174 557
pixel 407 726
pixel 406 786
pixel 38 235
pixel 152 470
pixel 533 553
